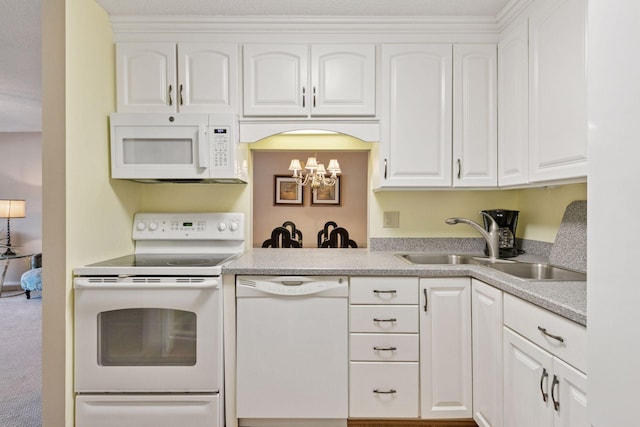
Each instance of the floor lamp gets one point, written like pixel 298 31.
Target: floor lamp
pixel 11 209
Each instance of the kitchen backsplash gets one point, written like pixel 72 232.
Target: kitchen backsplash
pixel 570 247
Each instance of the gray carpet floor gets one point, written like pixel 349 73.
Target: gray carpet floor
pixel 20 360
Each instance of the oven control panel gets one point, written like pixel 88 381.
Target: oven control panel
pixel 188 226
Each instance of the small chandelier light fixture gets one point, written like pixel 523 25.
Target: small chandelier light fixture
pixel 316 176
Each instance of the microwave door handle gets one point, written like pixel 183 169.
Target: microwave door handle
pixel 203 152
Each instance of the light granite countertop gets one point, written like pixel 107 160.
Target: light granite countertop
pixel 568 299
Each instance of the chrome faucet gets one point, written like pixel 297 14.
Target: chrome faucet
pixel 491 236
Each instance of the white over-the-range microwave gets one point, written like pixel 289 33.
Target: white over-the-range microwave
pixel 181 147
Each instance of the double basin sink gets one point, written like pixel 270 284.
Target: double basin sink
pixel 521 270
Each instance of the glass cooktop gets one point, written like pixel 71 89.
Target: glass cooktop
pixel 164 260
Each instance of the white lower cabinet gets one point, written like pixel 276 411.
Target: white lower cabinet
pixel 540 389
pixel 445 348
pixel 383 390
pixel 384 348
pixel 486 318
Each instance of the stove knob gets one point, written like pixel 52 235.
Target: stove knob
pixel 141 226
pixel 222 226
pixel 234 226
pixel 153 226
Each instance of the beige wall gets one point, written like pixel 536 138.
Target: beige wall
pixel 21 178
pixel 78 197
pixel 309 219
pixel 422 213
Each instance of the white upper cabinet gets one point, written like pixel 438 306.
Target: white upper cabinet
pixel 439 115
pixel 299 80
pixel 416 115
pixel 475 139
pixel 170 77
pixel 558 104
pixel 513 106
pixel 146 77
pixel 208 77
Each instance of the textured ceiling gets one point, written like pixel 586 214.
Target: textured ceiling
pixel 20 34
pixel 306 7
pixel 20 79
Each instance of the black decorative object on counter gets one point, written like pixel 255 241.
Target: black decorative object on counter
pixel 507 222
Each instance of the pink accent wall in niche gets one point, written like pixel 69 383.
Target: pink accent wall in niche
pixel 350 214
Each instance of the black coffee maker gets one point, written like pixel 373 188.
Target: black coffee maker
pixel 507 221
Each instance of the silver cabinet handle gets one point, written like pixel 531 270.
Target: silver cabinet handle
pixel 314 97
pixel 393 319
pixel 426 299
pixel 544 376
pixel 385 348
pixel 555 383
pixel 392 291
pixel 555 337
pixel 385 168
pixel 459 168
pixel 390 391
pixel 304 97
pixel 170 94
pixel 181 99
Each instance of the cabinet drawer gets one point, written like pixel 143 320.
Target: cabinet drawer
pixel 380 318
pixel 383 390
pixel 528 320
pixel 384 347
pixel 383 290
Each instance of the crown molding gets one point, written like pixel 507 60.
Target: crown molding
pixel 136 25
pixel 512 10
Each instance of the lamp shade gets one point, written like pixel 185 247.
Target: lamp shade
pixel 12 208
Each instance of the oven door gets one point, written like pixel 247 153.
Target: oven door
pixel 155 334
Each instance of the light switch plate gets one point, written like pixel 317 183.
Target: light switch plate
pixel 391 219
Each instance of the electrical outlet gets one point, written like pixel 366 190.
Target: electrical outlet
pixel 391 219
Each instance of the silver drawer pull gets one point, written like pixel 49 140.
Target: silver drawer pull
pixel 392 291
pixel 555 337
pixel 385 348
pixel 390 391
pixel 393 319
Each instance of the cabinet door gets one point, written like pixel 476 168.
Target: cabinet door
pixel 571 395
pixel 146 77
pixel 558 126
pixel 475 133
pixel 276 80
pixel 527 383
pixel 486 320
pixel 343 80
pixel 208 80
pixel 445 348
pixel 513 106
pixel 416 115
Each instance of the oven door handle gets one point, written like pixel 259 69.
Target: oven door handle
pixel 128 285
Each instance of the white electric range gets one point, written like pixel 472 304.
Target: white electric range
pixel 148 326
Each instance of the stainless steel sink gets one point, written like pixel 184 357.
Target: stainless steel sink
pixel 422 258
pixel 532 271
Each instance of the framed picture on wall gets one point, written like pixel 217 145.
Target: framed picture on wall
pixel 327 195
pixel 287 191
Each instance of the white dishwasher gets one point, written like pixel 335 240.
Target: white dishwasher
pixel 292 350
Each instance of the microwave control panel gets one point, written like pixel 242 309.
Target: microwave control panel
pixel 221 146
